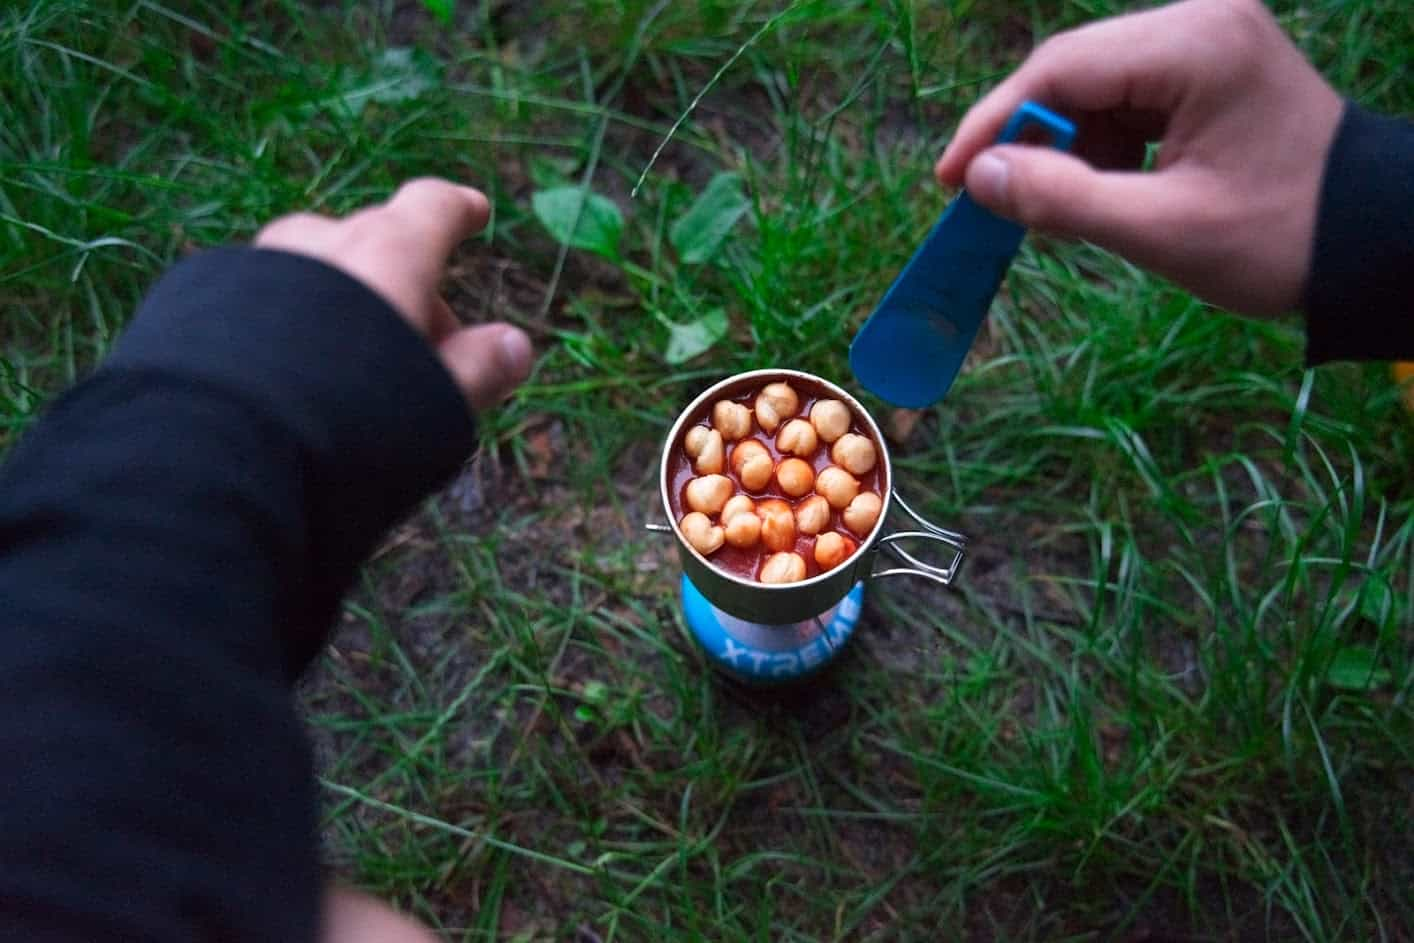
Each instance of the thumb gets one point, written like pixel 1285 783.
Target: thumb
pixel 1046 189
pixel 487 362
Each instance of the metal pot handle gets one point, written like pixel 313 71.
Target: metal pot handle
pixel 931 533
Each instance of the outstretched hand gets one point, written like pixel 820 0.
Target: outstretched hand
pixel 400 249
pixel 1243 122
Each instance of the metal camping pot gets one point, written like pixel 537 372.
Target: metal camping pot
pixel 879 555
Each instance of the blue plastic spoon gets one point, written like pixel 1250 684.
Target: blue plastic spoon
pixel 911 348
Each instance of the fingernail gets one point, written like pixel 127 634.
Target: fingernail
pixel 476 195
pixel 987 179
pixel 515 353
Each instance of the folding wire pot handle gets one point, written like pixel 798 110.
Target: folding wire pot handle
pixel 931 533
pixel 781 604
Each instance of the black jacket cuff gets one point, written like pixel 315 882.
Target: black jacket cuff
pixel 1357 306
pixel 377 419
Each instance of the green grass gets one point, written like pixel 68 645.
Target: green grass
pixel 1142 711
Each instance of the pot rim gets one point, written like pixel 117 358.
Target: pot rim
pixel 779 373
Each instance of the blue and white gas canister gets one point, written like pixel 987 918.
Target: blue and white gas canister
pixel 773 633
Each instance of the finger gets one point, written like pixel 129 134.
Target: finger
pixel 442 322
pixel 435 215
pixel 297 231
pixel 487 362
pixel 1125 61
pixel 353 917
pixel 1059 193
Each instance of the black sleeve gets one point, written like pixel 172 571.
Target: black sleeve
pixel 1357 305
pixel 174 538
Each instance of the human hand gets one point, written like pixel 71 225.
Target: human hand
pixel 1244 122
pixel 400 249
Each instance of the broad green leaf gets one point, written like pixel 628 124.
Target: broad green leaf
pixel 548 171
pixel 1353 669
pixel 396 75
pixel 686 341
pixel 599 222
pixel 699 233
pixel 442 9
pixel 403 73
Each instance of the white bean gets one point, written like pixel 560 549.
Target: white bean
pixel 855 453
pixel 861 513
pixel 783 568
pixel 812 515
pixel 777 524
pixel 836 486
pixel 752 464
pixel 832 549
pixel 709 494
pixel 732 420
pixel 798 438
pixel 695 440
pixel 738 504
pixel 704 536
pixel 795 476
pixel 830 418
pixel 712 459
pixel 743 530
pixel 776 403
